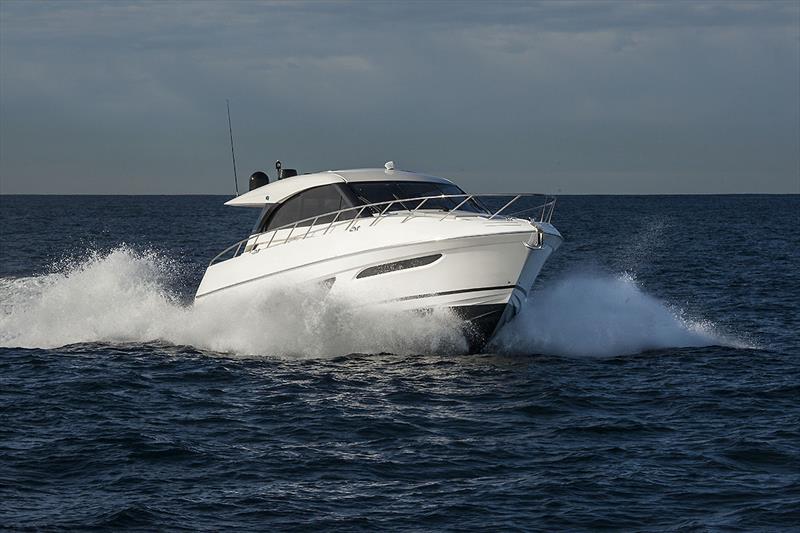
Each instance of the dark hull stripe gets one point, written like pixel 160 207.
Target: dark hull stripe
pixel 459 291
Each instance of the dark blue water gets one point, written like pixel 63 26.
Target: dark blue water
pixel 653 383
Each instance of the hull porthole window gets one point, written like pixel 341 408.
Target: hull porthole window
pixel 398 265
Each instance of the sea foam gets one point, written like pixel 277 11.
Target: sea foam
pixel 124 296
pixel 601 315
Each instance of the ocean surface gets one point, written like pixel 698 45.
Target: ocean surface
pixel 652 382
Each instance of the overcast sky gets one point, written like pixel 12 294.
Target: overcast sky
pixel 563 97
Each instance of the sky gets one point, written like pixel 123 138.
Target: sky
pixel 584 97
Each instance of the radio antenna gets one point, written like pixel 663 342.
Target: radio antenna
pixel 233 154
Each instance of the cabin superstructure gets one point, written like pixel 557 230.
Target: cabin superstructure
pixel 301 197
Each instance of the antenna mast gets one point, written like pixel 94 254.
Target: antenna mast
pixel 233 155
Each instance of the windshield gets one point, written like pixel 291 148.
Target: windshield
pixel 372 192
pixel 306 205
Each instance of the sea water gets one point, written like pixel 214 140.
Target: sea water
pixel 652 381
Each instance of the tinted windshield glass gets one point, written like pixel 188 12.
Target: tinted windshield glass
pixel 311 203
pixel 385 191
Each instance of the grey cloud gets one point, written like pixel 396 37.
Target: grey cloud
pixel 644 90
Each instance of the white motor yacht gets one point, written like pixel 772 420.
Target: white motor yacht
pixel 392 238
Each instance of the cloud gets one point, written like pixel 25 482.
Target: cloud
pixel 137 90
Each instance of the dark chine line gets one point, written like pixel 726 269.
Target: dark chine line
pixel 459 291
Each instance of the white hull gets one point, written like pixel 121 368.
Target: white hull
pixel 479 266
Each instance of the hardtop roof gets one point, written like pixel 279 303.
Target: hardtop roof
pixel 279 190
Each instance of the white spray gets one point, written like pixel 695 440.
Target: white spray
pixel 600 315
pixel 123 296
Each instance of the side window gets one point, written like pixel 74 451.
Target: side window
pixel 311 203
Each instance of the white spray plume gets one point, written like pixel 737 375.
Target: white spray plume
pixel 123 296
pixel 600 315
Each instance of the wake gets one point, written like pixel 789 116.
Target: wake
pixel 124 296
pixel 601 316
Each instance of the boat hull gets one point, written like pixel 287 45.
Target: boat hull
pixel 481 271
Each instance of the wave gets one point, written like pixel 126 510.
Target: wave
pixel 602 315
pixel 124 296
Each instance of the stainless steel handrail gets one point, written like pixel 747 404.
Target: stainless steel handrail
pixel 504 207
pixel 546 207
